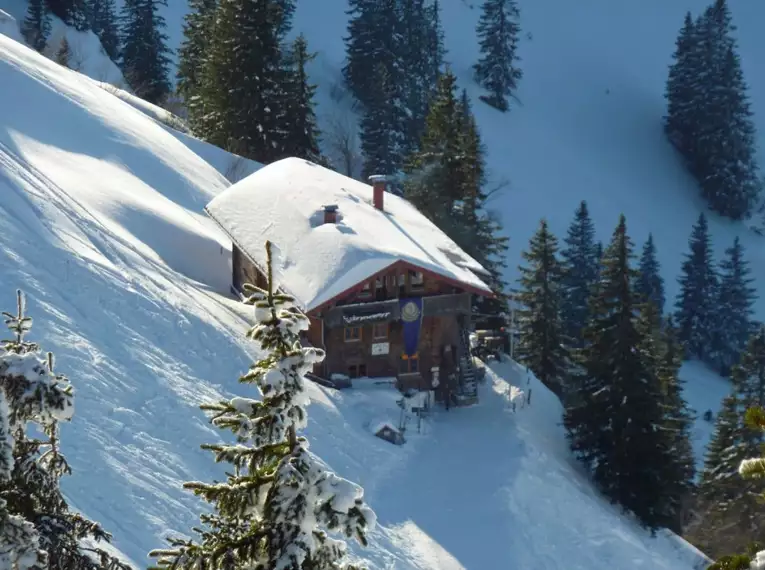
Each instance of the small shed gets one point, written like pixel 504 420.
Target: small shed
pixel 386 431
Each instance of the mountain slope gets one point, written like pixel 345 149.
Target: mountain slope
pixel 100 207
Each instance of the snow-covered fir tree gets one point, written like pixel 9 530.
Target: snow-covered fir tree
pixel 103 22
pixel 372 42
pixel 541 346
pixel 616 390
pixel 697 301
pixel 278 503
pixel 198 28
pixel 36 26
pixel 735 310
pixel 145 55
pixel 709 119
pixel 650 284
pixel 580 261
pixel 435 175
pixel 71 12
pixel 683 90
pixel 497 70
pixel 243 81
pixel 37 528
pixel 381 127
pixel 302 134
pixel 728 503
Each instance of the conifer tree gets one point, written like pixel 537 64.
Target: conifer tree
pixel 580 262
pixel 729 503
pixel 497 71
pixel 541 337
pixel 36 26
pixel 285 12
pixel 734 307
pixel 614 414
pixel 680 465
pixel 243 82
pixel 71 12
pixel 278 500
pixel 696 302
pixel 301 138
pixel 683 90
pixel 435 175
pixel 381 140
pixel 436 50
pixel 709 119
pixel 103 22
pixel 198 28
pixel 37 528
pixel 650 284
pixel 372 42
pixel 145 60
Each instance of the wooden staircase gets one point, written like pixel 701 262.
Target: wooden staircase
pixel 468 384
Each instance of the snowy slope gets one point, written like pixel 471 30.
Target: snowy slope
pixel 100 207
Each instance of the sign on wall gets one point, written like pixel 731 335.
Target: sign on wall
pixel 366 318
pixel 380 348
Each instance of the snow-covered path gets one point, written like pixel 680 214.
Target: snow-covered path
pixel 505 481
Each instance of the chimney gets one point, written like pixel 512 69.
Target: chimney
pixel 330 214
pixel 378 190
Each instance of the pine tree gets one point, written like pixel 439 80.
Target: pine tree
pixel 436 50
pixel 243 81
pixel 696 302
pixel 145 60
pixel 103 22
pixel 71 12
pixel 64 53
pixel 683 90
pixel 498 30
pixel 679 466
pixel 302 134
pixel 650 285
pixel 79 15
pixel 381 140
pixel 580 262
pixel 198 28
pixel 734 307
pixel 285 12
pixel 729 503
pixel 435 174
pixel 37 528
pixel 541 337
pixel 372 42
pixel 614 410
pixel 709 119
pixel 36 26
pixel 278 500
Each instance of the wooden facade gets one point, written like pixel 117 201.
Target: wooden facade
pixel 362 331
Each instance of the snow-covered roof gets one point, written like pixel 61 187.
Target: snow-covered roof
pixel 284 203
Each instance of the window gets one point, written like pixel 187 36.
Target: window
pixel 366 291
pixel 416 279
pixel 409 364
pixel 378 283
pixel 352 334
pixel 380 330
